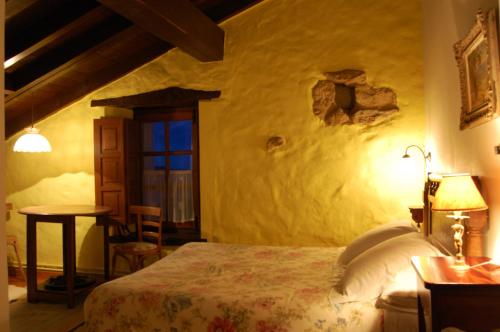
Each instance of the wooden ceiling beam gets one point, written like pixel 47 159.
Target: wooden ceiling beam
pixel 87 21
pixel 177 22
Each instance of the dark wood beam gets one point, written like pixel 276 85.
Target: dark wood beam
pixel 84 74
pixel 14 7
pixel 178 22
pixel 169 97
pixel 94 17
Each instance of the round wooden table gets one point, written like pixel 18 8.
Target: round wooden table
pixel 64 214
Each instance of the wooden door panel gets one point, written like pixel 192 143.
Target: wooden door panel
pixel 111 139
pixel 112 173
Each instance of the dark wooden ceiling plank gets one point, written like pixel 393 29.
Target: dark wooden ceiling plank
pixel 178 22
pixel 69 50
pixel 146 49
pixel 222 10
pixel 169 97
pixel 9 83
pixel 133 35
pixel 15 7
pixel 83 23
pixel 40 20
pixel 127 34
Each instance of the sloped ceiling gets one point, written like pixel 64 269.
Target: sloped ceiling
pixel 57 51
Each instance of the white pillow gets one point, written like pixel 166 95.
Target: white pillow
pixel 401 293
pixel 366 275
pixel 374 237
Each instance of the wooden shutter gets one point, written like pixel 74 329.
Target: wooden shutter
pixel 109 165
pixel 117 148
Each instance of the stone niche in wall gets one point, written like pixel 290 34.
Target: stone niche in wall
pixel 345 98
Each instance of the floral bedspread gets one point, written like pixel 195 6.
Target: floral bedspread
pixel 223 287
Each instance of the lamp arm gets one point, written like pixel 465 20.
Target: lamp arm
pixel 426 156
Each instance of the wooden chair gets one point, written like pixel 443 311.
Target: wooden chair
pixel 12 241
pixel 147 228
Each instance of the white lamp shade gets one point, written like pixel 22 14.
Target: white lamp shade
pixel 32 141
pixel 457 192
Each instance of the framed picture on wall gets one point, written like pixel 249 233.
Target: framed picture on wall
pixel 478 63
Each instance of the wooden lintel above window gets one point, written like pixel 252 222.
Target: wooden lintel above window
pixel 169 97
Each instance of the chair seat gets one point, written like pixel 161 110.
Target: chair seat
pixel 136 247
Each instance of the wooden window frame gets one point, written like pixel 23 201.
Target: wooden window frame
pixel 166 114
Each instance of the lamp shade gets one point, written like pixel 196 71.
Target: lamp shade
pixel 32 141
pixel 457 192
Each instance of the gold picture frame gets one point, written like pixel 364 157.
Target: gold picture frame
pixel 478 62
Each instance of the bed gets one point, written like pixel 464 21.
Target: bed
pixel 228 287
pixel 366 286
pixel 276 288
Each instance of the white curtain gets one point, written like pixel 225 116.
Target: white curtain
pixel 154 191
pixel 179 197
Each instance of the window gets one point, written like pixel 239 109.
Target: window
pixel 170 177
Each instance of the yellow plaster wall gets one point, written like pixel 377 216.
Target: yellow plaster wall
pixel 326 185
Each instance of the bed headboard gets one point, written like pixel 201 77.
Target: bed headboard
pixel 436 226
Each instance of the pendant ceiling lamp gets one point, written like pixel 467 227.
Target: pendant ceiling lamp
pixel 32 140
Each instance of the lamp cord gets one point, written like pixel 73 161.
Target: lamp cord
pixel 32 112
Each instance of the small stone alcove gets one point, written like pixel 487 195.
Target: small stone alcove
pixel 345 98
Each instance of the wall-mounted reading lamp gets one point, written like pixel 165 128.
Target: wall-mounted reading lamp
pixel 427 157
pixel 420 213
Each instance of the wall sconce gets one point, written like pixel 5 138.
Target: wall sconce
pixel 420 214
pixel 427 157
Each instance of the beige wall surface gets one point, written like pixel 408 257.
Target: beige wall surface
pixel 324 187
pixel 470 150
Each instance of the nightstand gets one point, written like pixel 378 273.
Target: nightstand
pixel 468 300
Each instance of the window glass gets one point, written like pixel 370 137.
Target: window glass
pixel 180 135
pixel 180 163
pixel 153 136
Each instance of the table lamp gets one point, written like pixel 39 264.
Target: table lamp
pixel 458 193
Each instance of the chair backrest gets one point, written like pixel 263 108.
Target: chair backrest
pixel 149 221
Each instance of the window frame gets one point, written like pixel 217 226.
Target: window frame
pixel 166 114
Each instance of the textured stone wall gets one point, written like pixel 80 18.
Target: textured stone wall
pixel 323 186
pixel 345 98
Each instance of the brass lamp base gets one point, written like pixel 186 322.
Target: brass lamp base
pixel 458 231
pixel 460 263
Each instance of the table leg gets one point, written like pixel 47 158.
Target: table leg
pixel 105 227
pixel 69 258
pixel 31 257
